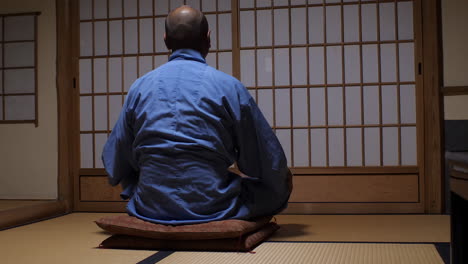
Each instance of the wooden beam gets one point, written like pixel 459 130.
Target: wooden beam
pixel 455 90
pixel 433 104
pixel 65 88
pixel 28 214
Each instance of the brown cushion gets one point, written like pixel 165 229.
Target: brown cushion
pixel 244 243
pixel 132 226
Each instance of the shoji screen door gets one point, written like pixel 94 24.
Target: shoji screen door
pixel 335 78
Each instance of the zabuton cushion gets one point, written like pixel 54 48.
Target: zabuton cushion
pixel 132 226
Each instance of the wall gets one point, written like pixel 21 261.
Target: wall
pixel 455 39
pixel 28 155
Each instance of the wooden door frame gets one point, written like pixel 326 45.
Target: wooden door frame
pixel 430 136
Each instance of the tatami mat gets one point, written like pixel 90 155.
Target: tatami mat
pixel 73 238
pixel 317 253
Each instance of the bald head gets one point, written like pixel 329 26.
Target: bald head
pixel 187 28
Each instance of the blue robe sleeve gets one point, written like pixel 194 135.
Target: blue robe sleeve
pixel 117 155
pixel 261 157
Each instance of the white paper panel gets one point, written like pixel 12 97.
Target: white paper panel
pixel 369 22
pixel 388 67
pixel 131 36
pixel 264 32
pixel 318 147
pixel 353 147
pixel 100 113
pixel 177 3
pixel 405 20
pixel 86 39
pixel 115 74
pixel 193 3
pixel 300 112
pixel 214 31
pixel 407 73
pixel 265 103
pixel 146 35
pixel 298 19
pixel 333 23
pixel 389 104
pixel 1 107
pixel 336 146
pixel 247 29
pixel 225 31
pixel 280 2
pixel 19 54
pixel 390 146
pixel 159 34
pixel 281 26
pixel 86 150
pixel 19 28
pixel 19 81
pixel 86 9
pixel 20 107
pixel 85 76
pixel 298 2
pixel 224 5
pixel 407 104
pixel 264 67
pixel 161 7
pixel 252 93
pixel 100 75
pixel 115 37
pixel 370 64
pixel 283 107
pixel 99 141
pixel 100 9
pixel 282 67
pixel 317 106
pixel 208 5
pixel 263 3
pixel 225 62
pixel 335 106
pixel 408 146
pixel 246 3
pixel 371 104
pixel 299 66
pixel 284 137
pixel 130 8
pixel 145 7
pixel 115 106
pixel 351 23
pixel 316 25
pixel 145 65
pixel 86 113
pixel 334 65
pixel 353 105
pixel 387 21
pixel 160 60
pixel 352 64
pixel 100 38
pixel 247 62
pixel 115 8
pixel 130 72
pixel 301 147
pixel 372 146
pixel 211 59
pixel 316 65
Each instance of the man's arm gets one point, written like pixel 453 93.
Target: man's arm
pixel 261 157
pixel 117 155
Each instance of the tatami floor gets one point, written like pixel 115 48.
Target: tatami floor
pixel 74 238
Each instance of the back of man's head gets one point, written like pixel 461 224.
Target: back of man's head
pixel 187 28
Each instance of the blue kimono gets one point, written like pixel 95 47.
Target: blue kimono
pixel 181 127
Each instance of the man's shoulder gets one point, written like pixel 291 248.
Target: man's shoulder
pixel 223 77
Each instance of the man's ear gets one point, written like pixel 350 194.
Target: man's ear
pixel 208 38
